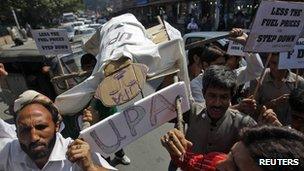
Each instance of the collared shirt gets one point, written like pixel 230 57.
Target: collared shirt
pixel 13 158
pixel 269 91
pixel 220 136
pixel 244 74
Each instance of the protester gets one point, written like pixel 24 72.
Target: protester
pixel 37 144
pixel 88 62
pixel 275 89
pixel 251 71
pixel 215 127
pixel 192 26
pixel 255 145
pixel 209 56
pixel 195 62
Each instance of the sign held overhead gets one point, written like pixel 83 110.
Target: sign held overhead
pixel 52 41
pixel 293 59
pixel 277 27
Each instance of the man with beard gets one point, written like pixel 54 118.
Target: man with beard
pixel 38 145
pixel 216 127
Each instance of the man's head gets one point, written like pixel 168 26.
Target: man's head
pixel 260 143
pixel 273 65
pixel 213 55
pixel 195 61
pixel 219 85
pixel 296 102
pixel 88 62
pixel 37 121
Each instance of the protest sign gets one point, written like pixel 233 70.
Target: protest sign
pixel 120 129
pixel 235 49
pixel 276 27
pixel 293 59
pixel 52 41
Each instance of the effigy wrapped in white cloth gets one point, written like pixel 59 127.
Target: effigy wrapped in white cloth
pixel 125 37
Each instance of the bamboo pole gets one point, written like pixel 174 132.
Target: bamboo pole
pixel 262 76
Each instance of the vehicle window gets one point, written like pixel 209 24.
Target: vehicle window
pixel 193 39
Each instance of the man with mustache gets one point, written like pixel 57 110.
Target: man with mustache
pixel 215 127
pixel 38 145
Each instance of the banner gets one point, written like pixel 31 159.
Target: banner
pixel 276 27
pixel 293 59
pixel 52 41
pixel 120 129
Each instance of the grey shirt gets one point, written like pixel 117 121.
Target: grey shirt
pixel 220 136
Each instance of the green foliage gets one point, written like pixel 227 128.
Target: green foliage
pixel 37 12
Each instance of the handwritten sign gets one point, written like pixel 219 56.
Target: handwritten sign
pixel 276 27
pixel 52 41
pixel 235 49
pixel 293 59
pixel 120 129
pixel 123 85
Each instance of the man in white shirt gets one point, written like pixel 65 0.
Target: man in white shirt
pixel 38 145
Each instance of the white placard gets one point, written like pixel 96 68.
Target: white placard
pixel 293 59
pixel 52 41
pixel 276 27
pixel 235 49
pixel 120 129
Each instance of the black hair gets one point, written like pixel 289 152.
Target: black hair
pixel 194 51
pixel 87 59
pixel 211 54
pixel 270 142
pixel 296 100
pixel 219 76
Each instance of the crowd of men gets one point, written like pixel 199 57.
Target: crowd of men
pixel 231 125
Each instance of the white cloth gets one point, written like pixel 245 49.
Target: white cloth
pixel 252 71
pixel 125 36
pixel 13 158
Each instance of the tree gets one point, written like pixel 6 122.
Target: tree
pixel 37 12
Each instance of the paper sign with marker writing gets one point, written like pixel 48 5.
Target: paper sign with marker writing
pixel 120 129
pixel 293 59
pixel 52 41
pixel 235 49
pixel 277 27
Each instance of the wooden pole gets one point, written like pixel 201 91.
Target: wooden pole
pixel 178 101
pixel 203 42
pixel 262 76
pixel 297 78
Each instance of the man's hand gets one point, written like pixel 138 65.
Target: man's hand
pixel 2 70
pixel 175 143
pixel 268 116
pixel 79 151
pixel 247 106
pixel 278 101
pixel 87 115
pixel 237 35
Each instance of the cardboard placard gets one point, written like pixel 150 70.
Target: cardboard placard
pixel 120 129
pixel 123 85
pixel 235 49
pixel 276 27
pixel 52 41
pixel 293 59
